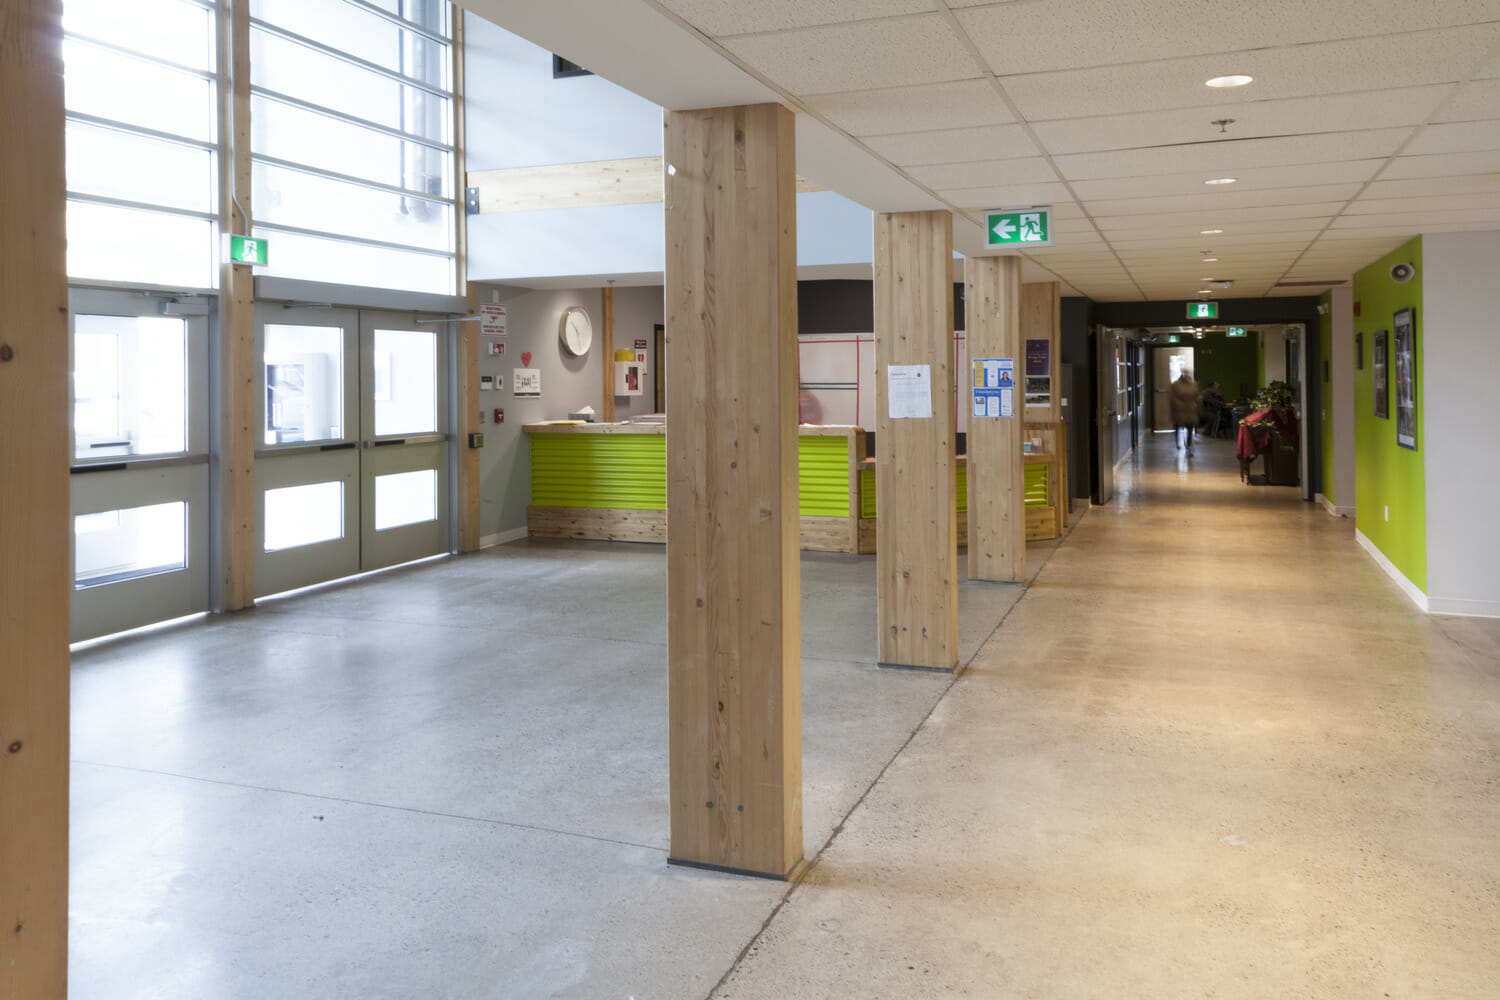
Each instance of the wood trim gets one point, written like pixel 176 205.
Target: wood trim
pixel 35 529
pixel 570 428
pixel 238 364
pixel 915 467
pixel 733 569
pixel 597 523
pixel 607 351
pixel 633 181
pixel 997 485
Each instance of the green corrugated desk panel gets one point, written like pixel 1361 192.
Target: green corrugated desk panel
pixel 1037 483
pixel 823 476
pixel 609 471
pixel 1038 478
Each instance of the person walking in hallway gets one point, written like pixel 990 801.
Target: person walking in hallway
pixel 1183 399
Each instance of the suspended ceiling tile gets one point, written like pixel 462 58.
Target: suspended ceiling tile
pixel 989 173
pixel 969 145
pixel 863 55
pixel 891 110
pixel 1254 119
pixel 1431 203
pixel 1035 37
pixel 1424 187
pixel 1254 182
pixel 714 17
pixel 1227 219
pixel 1230 157
pixel 1188 226
pixel 1422 221
pixel 1213 203
pixel 1450 167
pixel 1005 196
pixel 1475 100
pixel 1457 137
pixel 1385 63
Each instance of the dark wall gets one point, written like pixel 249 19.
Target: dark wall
pixel 1232 312
pixel 1076 324
pixel 848 306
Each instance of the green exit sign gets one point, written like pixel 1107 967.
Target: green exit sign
pixel 1237 331
pixel 248 250
pixel 1018 227
pixel 1203 310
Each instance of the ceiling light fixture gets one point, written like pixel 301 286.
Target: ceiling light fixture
pixel 1205 291
pixel 1209 232
pixel 1209 260
pixel 1235 80
pixel 1221 180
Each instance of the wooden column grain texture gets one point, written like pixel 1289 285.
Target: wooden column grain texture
pixel 238 364
pixel 916 529
pixel 466 343
pixel 35 571
pixel 607 350
pixel 997 483
pixel 733 586
pixel 1041 319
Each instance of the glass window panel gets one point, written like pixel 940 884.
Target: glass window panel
pixel 129 386
pixel 302 136
pixel 173 30
pixel 309 202
pixel 316 258
pixel 128 544
pixel 405 498
pixel 304 515
pixel 405 382
pixel 109 243
pixel 304 380
pixel 115 164
pixel 123 89
pixel 297 71
pixel 362 34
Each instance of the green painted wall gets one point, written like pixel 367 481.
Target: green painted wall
pixel 1230 361
pixel 1325 423
pixel 1260 362
pixel 1385 475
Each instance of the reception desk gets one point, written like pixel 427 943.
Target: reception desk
pixel 608 481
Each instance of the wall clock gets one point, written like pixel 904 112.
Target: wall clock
pixel 577 331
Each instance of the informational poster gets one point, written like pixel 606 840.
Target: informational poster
pixel 492 319
pixel 909 390
pixel 1038 358
pixel 527 381
pixel 994 387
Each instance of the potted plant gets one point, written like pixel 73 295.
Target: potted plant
pixel 1271 428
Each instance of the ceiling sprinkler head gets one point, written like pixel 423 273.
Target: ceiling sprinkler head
pixel 1223 123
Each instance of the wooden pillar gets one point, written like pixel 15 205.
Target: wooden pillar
pixel 1041 319
pixel 997 487
pixel 238 365
pixel 607 351
pixel 35 571
pixel 916 528
pixel 733 584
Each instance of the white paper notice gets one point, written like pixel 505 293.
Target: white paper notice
pixel 909 388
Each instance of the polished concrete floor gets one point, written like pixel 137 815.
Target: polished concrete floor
pixel 1211 751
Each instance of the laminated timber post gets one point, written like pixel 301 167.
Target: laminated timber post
pixel 733 585
pixel 916 527
pixel 997 487
pixel 35 571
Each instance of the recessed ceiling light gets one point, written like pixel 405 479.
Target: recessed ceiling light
pixel 1237 80
pixel 1209 260
pixel 1205 291
pixel 1209 232
pixel 1220 180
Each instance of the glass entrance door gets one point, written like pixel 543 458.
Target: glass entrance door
pixel 140 471
pixel 352 473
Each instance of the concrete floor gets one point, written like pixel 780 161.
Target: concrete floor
pixel 1211 752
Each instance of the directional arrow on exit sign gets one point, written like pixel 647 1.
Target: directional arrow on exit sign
pixel 1018 227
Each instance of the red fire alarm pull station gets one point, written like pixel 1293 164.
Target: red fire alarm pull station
pixel 499 415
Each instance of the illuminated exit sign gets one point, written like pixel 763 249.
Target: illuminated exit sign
pixel 1018 227
pixel 1237 331
pixel 248 250
pixel 1203 310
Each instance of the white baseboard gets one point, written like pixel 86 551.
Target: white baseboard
pixel 1333 508
pixel 1411 589
pixel 1463 607
pixel 490 541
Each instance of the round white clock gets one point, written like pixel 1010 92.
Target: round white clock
pixel 577 331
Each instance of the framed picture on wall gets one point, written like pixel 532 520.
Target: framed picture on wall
pixel 1377 362
pixel 1359 350
pixel 1406 380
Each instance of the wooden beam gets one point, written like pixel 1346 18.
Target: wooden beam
pixel 35 529
pixel 634 181
pixel 915 481
pixel 733 585
pixel 238 365
pixel 1041 319
pixel 997 485
pixel 607 349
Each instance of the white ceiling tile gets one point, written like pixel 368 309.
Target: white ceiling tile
pixel 1445 169
pixel 1457 137
pixel 1230 157
pixel 717 18
pixel 1085 34
pixel 968 145
pixel 961 104
pixel 1216 202
pixel 1188 226
pixel 1292 71
pixel 1299 116
pixel 1426 187
pixel 1005 196
pixel 1252 182
pixel 1475 100
pixel 860 56
pixel 1431 203
pixel 990 173
pixel 1227 219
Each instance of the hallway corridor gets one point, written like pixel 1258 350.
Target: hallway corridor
pixel 1212 751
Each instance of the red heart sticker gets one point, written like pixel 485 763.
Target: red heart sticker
pixel 526 359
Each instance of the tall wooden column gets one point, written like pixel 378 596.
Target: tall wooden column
pixel 997 486
pixel 733 585
pixel 35 575
pixel 238 365
pixel 916 528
